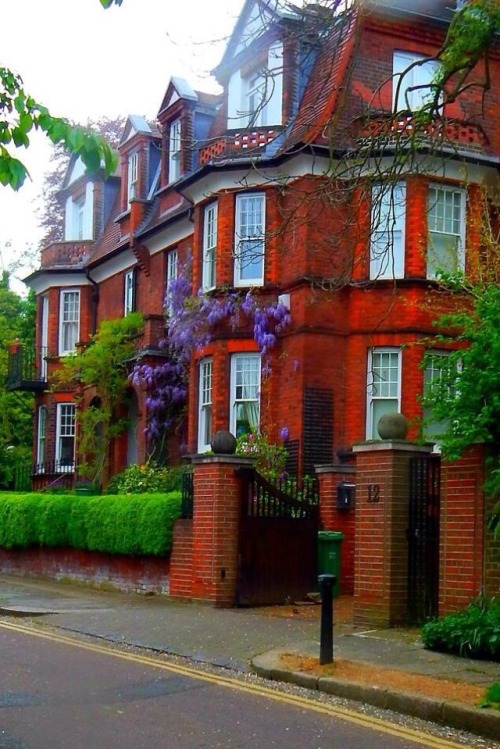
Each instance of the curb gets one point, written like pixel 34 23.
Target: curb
pixel 480 721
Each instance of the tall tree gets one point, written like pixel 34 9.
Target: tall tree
pixel 17 321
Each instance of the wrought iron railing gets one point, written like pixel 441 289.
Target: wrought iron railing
pixel 282 498
pixel 49 474
pixel 187 496
pixel 27 368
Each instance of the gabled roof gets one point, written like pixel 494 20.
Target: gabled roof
pixel 255 19
pixel 177 89
pixel 137 125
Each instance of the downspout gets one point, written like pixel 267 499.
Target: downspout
pixel 95 300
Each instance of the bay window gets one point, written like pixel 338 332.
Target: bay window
pixel 69 321
pixel 446 230
pixel 249 239
pixel 387 239
pixel 383 386
pixel 245 393
pixel 205 406
pixel 209 247
pixel 65 436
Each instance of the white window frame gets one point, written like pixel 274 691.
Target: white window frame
pixel 132 176
pixel 409 98
pixel 430 427
pixel 377 387
pixel 41 439
pixel 174 151
pixel 458 198
pixel 387 236
pixel 66 319
pixel 172 275
pixel 209 246
pixel 256 97
pixel 253 234
pixel 129 292
pixel 241 401
pixel 65 429
pixel 44 335
pixel 205 401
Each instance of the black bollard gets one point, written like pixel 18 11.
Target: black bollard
pixel 326 583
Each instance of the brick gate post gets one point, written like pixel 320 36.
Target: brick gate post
pixel 381 556
pixel 216 526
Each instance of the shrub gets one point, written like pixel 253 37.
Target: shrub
pixel 270 458
pixel 492 696
pixel 473 633
pixel 149 478
pixel 133 524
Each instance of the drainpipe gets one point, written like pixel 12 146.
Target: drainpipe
pixel 95 300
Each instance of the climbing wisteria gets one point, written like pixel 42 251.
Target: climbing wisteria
pixel 192 321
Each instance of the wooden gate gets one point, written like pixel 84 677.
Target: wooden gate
pixel 423 538
pixel 278 540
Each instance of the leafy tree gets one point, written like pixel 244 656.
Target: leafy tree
pixel 465 396
pixel 103 366
pixel 20 113
pixel 17 321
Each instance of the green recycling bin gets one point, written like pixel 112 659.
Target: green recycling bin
pixel 329 543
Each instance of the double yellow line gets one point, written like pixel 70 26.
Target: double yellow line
pixel 333 711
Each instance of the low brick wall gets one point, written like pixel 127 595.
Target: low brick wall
pixel 122 572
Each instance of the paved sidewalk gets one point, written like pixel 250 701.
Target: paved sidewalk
pixel 241 639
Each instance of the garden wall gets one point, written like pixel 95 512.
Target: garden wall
pixel 129 574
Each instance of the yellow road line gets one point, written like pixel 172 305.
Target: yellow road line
pixel 359 719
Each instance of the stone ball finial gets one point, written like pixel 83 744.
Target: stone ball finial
pixel 223 443
pixel 393 426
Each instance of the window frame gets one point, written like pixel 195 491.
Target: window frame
pixel 132 176
pixel 129 291
pixel 59 465
pixel 63 350
pixel 371 400
pixel 209 258
pixel 459 259
pixel 255 280
pixel 235 401
pixel 255 92
pixel 172 274
pixel 41 438
pixel 416 97
pixel 174 150
pixel 393 234
pixel 205 404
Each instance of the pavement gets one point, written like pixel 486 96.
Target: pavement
pixel 256 639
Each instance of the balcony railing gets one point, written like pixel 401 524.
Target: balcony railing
pixel 47 475
pixel 27 369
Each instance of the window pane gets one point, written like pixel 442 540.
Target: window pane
pixel 249 238
pixel 387 231
pixel 246 396
pixel 446 224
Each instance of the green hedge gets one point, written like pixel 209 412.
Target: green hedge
pixel 135 524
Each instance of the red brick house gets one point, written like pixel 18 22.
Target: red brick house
pixel 280 186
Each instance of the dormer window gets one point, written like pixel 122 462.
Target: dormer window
pixel 174 152
pixel 256 98
pixel 132 176
pixel 413 76
pixel 78 223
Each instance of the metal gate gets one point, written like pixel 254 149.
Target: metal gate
pixel 423 538
pixel 278 541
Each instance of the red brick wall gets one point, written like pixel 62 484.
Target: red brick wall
pixel 181 560
pixel 462 531
pixel 126 573
pixel 334 519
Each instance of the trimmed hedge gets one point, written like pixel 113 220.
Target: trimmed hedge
pixel 133 524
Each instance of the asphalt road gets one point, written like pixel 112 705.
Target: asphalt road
pixel 61 693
